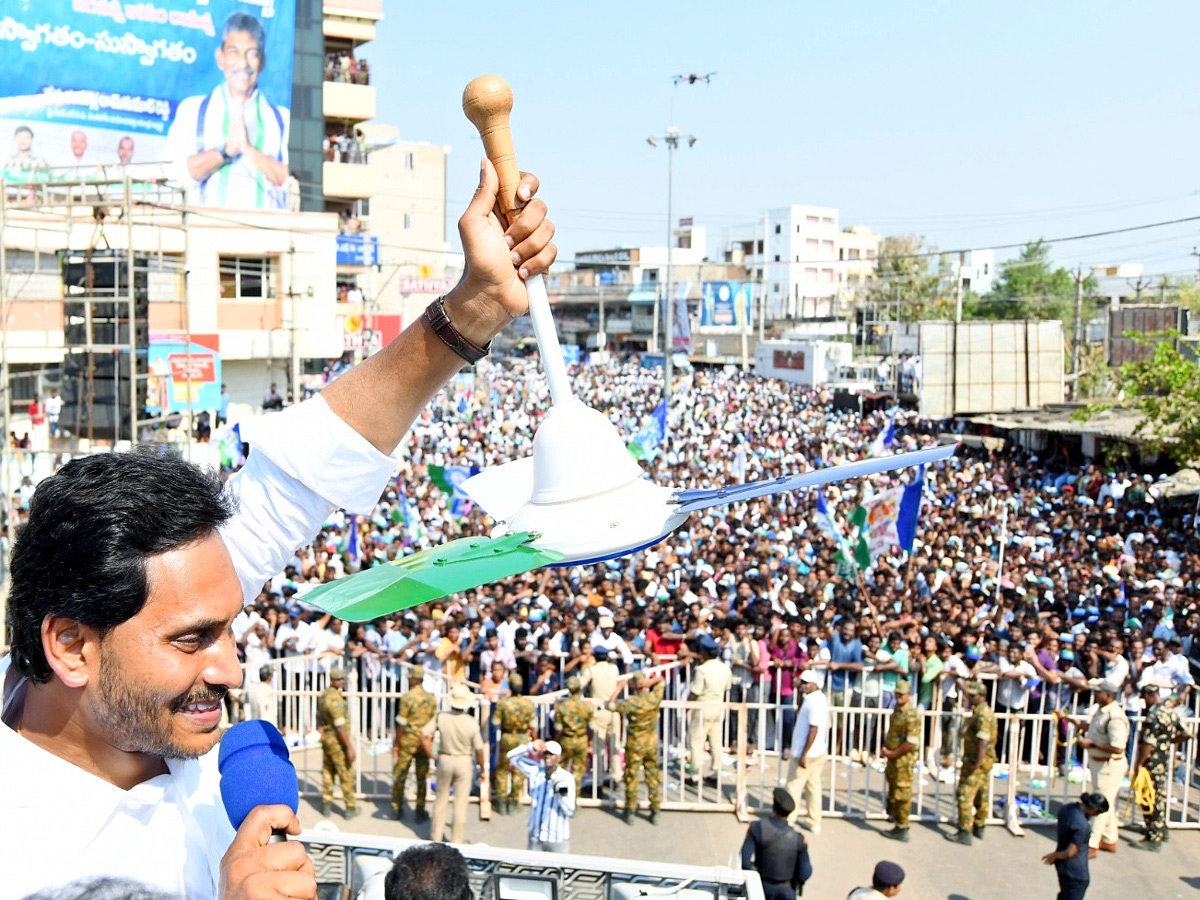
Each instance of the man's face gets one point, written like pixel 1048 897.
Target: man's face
pixel 848 631
pixel 240 58
pixel 24 140
pixel 902 699
pixel 125 151
pixel 550 762
pixel 164 672
pixel 78 144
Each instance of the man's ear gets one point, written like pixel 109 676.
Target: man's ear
pixel 72 650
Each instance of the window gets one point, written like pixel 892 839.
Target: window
pixel 811 245
pixel 409 161
pixel 827 246
pixel 870 253
pixel 827 275
pixel 854 253
pixel 776 257
pixel 814 220
pixel 407 220
pixel 828 220
pixel 810 274
pixel 246 277
pixel 775 288
pixel 777 228
pixel 797 229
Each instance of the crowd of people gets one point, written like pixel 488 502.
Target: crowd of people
pixel 345 147
pixel 344 66
pixel 1045 575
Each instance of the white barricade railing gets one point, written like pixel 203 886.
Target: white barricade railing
pixel 1039 764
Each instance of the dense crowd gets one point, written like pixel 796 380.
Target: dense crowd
pixel 1045 571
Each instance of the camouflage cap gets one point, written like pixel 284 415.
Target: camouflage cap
pixel 573 684
pixel 336 674
pixel 974 689
pixel 415 674
pixel 903 686
pixel 515 681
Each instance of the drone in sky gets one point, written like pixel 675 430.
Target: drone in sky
pixel 693 78
pixel 581 498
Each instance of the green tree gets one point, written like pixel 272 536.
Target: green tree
pixel 1029 287
pixel 913 275
pixel 1165 389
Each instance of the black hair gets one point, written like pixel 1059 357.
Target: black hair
pixel 92 525
pixel 103 888
pixel 28 131
pixel 240 21
pixel 433 871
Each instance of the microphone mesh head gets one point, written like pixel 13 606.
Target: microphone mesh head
pixel 255 770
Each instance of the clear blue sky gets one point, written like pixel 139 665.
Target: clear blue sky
pixel 973 124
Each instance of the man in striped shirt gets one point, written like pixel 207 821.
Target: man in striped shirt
pixel 552 795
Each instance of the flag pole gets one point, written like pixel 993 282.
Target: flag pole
pixel 1003 544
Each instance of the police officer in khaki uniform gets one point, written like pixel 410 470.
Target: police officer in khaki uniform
pixel 459 740
pixel 1105 742
pixel 337 750
pixel 710 684
pixel 599 682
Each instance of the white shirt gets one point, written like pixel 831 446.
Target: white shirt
pixel 814 711
pixel 1174 671
pixel 614 643
pixel 239 184
pixel 61 823
pixel 549 811
pixel 1117 671
pixel 1014 692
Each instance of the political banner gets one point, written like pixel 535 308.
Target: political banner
pixel 183 374
pixel 725 303
pixel 197 91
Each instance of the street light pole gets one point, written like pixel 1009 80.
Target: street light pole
pixel 671 138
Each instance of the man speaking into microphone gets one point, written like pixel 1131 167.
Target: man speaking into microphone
pixel 128 575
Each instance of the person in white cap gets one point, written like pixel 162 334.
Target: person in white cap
pixel 604 637
pixel 810 747
pixel 551 795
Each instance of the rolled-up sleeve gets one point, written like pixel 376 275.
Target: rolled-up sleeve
pixel 304 463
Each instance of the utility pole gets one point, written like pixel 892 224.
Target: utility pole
pixel 1078 331
pixel 671 138
pixel 958 295
pixel 762 281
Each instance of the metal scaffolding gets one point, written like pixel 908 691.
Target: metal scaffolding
pixel 130 212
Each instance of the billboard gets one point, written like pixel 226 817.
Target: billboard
pixel 195 90
pixel 181 373
pixel 357 250
pixel 725 303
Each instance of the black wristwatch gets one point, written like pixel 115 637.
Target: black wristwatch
pixel 224 155
pixel 435 317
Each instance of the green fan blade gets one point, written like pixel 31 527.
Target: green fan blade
pixel 428 575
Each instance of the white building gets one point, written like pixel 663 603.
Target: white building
pixel 976 270
pixel 806 263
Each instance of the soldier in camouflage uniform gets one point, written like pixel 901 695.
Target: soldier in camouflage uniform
pixel 417 707
pixel 337 751
pixel 572 717
pixel 641 742
pixel 901 749
pixel 1160 730
pixel 515 716
pixel 979 755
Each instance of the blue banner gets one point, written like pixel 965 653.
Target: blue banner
pixel 726 303
pixel 196 90
pixel 357 250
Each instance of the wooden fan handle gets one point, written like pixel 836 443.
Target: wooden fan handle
pixel 487 102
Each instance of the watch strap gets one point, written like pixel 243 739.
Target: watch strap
pixel 437 319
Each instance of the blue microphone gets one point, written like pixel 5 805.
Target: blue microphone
pixel 256 771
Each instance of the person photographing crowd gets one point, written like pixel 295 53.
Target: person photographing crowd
pixel 551 795
pixel 1070 856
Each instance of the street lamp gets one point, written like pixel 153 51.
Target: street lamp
pixel 672 138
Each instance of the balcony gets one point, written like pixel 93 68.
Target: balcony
pixel 353 20
pixel 349 102
pixel 347 180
